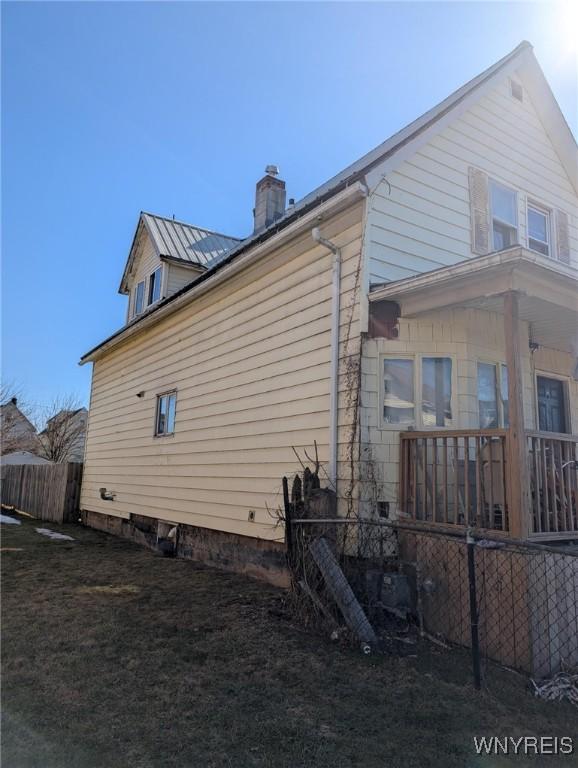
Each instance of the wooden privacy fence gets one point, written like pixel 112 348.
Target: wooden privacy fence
pixel 47 491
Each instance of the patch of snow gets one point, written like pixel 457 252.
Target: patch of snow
pixel 9 520
pixel 54 534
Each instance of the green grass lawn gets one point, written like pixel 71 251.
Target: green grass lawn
pixel 115 657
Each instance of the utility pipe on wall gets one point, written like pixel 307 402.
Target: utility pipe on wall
pixel 334 381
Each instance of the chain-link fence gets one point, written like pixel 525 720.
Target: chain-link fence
pixel 513 603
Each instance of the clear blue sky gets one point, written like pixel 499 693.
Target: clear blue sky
pixel 176 108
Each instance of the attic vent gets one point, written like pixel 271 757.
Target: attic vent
pixel 516 90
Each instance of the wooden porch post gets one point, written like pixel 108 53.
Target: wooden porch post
pixel 518 488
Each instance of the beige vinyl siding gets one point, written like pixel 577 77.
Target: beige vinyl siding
pixel 179 276
pixel 419 218
pixel 250 361
pixel 468 336
pixel 146 262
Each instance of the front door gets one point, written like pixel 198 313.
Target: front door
pixel 551 405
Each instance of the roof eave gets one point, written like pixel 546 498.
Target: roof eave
pixel 445 281
pixel 239 259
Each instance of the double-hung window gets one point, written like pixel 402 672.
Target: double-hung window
pixel 398 391
pixel 154 286
pixel 539 229
pixel 492 395
pixel 504 213
pixel 428 383
pixel 165 414
pixel 436 391
pixel 139 299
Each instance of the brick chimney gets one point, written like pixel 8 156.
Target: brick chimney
pixel 269 199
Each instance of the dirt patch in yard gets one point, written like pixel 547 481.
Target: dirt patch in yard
pixel 115 658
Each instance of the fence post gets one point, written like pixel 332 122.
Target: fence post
pixel 288 527
pixel 470 543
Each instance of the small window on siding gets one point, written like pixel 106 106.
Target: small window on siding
pixel 538 229
pixel 436 391
pixel 165 414
pixel 516 90
pixel 504 213
pixel 139 298
pixel 493 400
pixel 155 286
pixel 398 390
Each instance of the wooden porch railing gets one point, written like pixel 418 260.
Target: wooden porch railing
pixel 553 472
pixel 459 477
pixel 455 477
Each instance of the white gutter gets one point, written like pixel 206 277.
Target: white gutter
pixel 334 373
pixel 338 202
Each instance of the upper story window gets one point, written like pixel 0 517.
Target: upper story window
pixel 539 229
pixel 154 286
pixel 139 299
pixel 504 215
pixel 165 414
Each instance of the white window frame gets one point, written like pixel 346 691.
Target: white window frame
pixel 135 311
pixel 393 356
pixel 542 209
pixel 158 271
pixel 499 366
pixel 503 222
pixel 168 393
pixel 417 422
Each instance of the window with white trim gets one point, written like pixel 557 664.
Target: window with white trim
pixel 493 403
pixel 398 390
pixel 436 391
pixel 404 378
pixel 139 298
pixel 165 414
pixel 155 286
pixel 539 229
pixel 504 215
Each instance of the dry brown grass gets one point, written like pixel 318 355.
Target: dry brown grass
pixel 116 658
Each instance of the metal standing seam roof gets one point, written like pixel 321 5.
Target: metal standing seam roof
pixel 194 245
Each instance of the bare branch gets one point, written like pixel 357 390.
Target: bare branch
pixel 62 439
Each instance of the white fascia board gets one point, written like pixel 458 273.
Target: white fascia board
pixel 506 270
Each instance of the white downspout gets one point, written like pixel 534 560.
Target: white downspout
pixel 334 378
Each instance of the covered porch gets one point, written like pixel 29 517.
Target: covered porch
pixel 517 474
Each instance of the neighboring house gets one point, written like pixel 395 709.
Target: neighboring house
pixel 18 432
pixel 64 436
pixel 415 317
pixel 22 457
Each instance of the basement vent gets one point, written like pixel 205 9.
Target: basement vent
pixel 383 508
pixel 516 90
